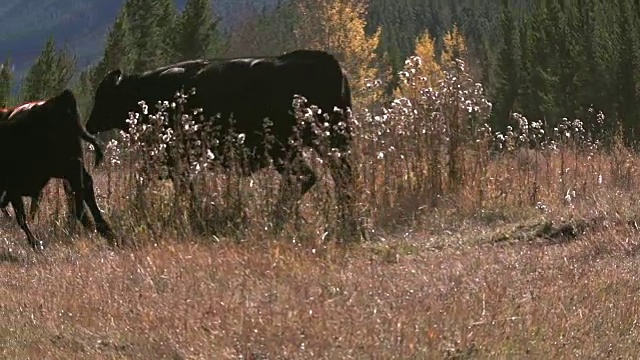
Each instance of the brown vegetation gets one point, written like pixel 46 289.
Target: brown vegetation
pixel 528 252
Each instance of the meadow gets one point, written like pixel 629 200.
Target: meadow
pixel 482 244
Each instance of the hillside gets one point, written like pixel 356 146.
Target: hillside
pixel 82 24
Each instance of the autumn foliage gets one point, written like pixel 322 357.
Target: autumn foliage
pixel 426 73
pixel 338 26
pixel 454 47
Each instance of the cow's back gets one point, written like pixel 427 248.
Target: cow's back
pixel 161 84
pixel 26 151
pixel 188 66
pixel 37 137
pixel 234 83
pixel 248 85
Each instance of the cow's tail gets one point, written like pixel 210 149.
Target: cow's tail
pixel 346 105
pixel 345 93
pixel 69 99
pixel 96 146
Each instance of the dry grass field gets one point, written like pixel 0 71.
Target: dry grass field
pixel 527 253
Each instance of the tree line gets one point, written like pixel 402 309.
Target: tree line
pixel 543 59
pixel 145 34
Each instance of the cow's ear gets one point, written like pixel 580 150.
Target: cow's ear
pixel 67 94
pixel 114 76
pixel 69 97
pixel 64 100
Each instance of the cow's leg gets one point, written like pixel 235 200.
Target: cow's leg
pixel 35 204
pixel 81 185
pixel 4 202
pixel 21 218
pixel 72 203
pixel 89 197
pixel 297 179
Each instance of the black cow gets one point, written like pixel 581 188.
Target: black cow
pixel 4 115
pixel 7 112
pixel 41 141
pixel 250 90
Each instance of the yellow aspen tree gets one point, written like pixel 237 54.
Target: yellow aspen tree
pixel 338 27
pixel 423 74
pixel 455 47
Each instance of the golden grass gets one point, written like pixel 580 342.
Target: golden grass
pixel 446 286
pixel 526 253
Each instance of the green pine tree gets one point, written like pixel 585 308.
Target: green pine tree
pixel 49 74
pixel 274 29
pixel 586 65
pixel 627 73
pixel 117 51
pixel 143 17
pixel 6 83
pixel 526 99
pixel 565 60
pixel 39 76
pixel 167 25
pixel 508 76
pixel 63 72
pixel 197 31
pixel 83 88
pixel 607 50
pixel 542 80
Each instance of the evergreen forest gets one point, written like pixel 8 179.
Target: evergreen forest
pixel 545 60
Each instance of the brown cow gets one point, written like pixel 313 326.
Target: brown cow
pixel 40 141
pixel 7 112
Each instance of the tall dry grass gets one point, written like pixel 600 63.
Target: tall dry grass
pixel 475 261
pixel 417 158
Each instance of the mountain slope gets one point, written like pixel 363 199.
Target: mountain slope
pixel 82 24
pixel 27 24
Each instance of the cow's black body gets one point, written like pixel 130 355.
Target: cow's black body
pixel 35 200
pixel 5 114
pixel 249 90
pixel 41 143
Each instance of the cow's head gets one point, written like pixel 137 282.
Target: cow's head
pixel 66 105
pixel 110 104
pixel 61 110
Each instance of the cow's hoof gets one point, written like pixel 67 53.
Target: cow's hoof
pixel 37 245
pixel 106 232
